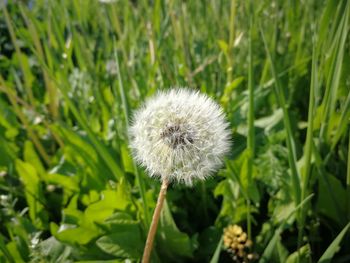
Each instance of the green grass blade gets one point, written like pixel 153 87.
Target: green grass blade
pixel 19 54
pixel 50 89
pixel 348 179
pixel 310 122
pixel 251 129
pixel 216 256
pixel 292 156
pixel 334 246
pixel 101 148
pixel 329 101
pixel 126 116
pixel 265 257
pixel 5 251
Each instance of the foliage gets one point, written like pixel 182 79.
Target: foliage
pixel 72 72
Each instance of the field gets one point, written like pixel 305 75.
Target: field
pixel 72 73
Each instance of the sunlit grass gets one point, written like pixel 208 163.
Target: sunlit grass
pixel 72 72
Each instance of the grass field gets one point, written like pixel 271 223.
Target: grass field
pixel 73 71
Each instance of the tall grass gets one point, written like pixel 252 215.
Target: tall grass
pixel 71 74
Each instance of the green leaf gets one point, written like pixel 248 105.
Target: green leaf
pixel 171 241
pixel 8 151
pixel 267 254
pixel 4 250
pixel 208 241
pixel 33 192
pixel 15 254
pixel 127 159
pixel 30 156
pixel 301 256
pixel 225 98
pixel 271 121
pixel 334 246
pixel 216 256
pixel 233 206
pixel 100 261
pixel 126 243
pixel 70 183
pixel 223 46
pixel 76 235
pixel 111 200
pixel 8 120
pixel 283 210
pixel 55 250
pixel 248 185
pixel 332 200
pixel 80 151
pixel 276 239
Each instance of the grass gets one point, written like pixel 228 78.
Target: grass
pixel 71 74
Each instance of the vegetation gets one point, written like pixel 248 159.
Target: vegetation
pixel 73 71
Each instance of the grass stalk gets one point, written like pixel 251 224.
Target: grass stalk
pixel 50 89
pixel 348 179
pixel 231 40
pixel 19 54
pixel 126 116
pixel 348 168
pixel 292 156
pixel 308 143
pixel 62 85
pixel 85 66
pixel 31 134
pixel 178 27
pixel 343 124
pixel 309 133
pixel 251 129
pixel 333 78
pixel 12 93
pixel 100 148
pixel 323 177
pixel 155 219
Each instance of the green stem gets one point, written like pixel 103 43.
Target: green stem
pixel 126 116
pixel 348 180
pixel 292 156
pixel 308 146
pixel 231 41
pixel 251 130
pixel 19 55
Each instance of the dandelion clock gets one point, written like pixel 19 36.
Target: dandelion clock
pixel 178 136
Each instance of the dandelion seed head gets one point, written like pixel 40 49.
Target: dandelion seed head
pixel 180 135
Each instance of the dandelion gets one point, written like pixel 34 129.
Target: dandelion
pixel 178 136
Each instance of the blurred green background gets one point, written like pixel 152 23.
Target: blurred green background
pixel 72 72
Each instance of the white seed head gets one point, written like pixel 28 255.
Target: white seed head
pixel 180 135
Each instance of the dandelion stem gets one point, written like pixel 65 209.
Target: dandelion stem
pixel 155 219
